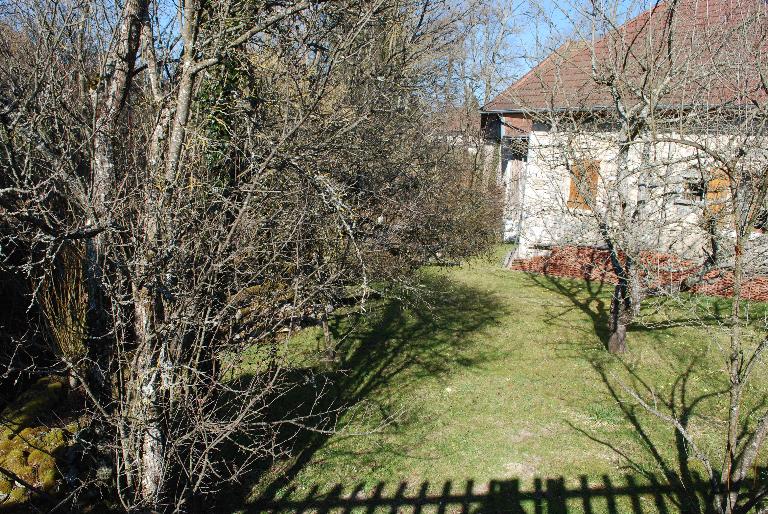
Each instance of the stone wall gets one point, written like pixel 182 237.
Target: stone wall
pixel 665 221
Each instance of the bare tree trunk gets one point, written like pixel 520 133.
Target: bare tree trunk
pixel 621 303
pixel 110 102
pixel 147 401
pixel 153 354
pixel 625 306
pixel 621 315
pixel 725 501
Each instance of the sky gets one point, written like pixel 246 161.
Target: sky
pixel 543 25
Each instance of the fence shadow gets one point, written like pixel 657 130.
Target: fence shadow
pixel 549 495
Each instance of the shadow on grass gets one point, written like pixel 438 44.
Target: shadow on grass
pixel 393 345
pixel 692 492
pixel 618 495
pixel 688 491
pixel 592 298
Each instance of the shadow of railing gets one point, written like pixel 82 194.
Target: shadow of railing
pixel 550 496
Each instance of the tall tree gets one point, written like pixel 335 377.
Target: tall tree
pixel 230 168
pixel 659 125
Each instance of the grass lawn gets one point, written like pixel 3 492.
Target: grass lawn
pixel 501 398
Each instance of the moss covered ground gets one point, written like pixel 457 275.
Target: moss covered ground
pixel 30 443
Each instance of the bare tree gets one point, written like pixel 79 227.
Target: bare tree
pixel 652 144
pixel 219 171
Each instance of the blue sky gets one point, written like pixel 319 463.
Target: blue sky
pixel 545 24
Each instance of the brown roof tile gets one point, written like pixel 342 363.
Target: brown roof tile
pixel 703 32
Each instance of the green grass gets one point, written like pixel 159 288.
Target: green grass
pixel 501 398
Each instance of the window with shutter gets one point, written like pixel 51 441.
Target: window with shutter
pixel 718 190
pixel 584 175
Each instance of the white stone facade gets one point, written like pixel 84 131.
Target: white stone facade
pixel 657 184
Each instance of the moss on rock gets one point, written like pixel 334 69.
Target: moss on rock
pixel 36 402
pixel 28 447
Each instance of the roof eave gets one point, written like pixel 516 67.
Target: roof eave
pixel 544 110
pixel 598 108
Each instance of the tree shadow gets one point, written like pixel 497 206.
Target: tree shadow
pixel 397 342
pixel 591 298
pixel 688 491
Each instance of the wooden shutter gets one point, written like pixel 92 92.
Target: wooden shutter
pixel 718 190
pixel 584 175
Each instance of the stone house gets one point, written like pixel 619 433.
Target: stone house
pixel 559 135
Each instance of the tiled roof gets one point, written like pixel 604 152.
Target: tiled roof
pixel 705 35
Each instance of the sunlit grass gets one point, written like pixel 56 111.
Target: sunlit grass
pixel 504 381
